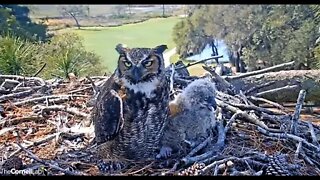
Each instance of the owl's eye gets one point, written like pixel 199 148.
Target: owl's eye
pixel 147 63
pixel 127 64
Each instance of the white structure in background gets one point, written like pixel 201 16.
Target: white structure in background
pixel 207 51
pixel 167 55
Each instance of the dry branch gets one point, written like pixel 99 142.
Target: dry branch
pixel 33 156
pixel 23 78
pixel 289 136
pixel 93 85
pixel 225 85
pixel 280 89
pixel 282 79
pixel 64 108
pixel 253 73
pixel 198 62
pixel 38 99
pixel 245 115
pixel 18 120
pixel 255 88
pixel 266 101
pixel 36 143
pixel 296 115
pixel 313 134
pixel 39 71
pixel 16 95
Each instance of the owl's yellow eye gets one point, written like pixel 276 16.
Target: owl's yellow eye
pixel 147 63
pixel 127 64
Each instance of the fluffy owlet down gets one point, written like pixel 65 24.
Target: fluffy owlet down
pixel 192 117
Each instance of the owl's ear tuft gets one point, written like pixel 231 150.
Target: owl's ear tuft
pixel 160 49
pixel 121 48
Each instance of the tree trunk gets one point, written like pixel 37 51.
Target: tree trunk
pixel 76 20
pixel 162 10
pixel 236 55
pixel 129 7
pixel 305 79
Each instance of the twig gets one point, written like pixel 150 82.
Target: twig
pixel 259 87
pixel 43 66
pixel 16 95
pixel 22 78
pixel 174 168
pixel 244 98
pixel 297 111
pixel 19 89
pixel 33 100
pixel 232 119
pixel 93 85
pixel 276 67
pixel 64 108
pixel 246 116
pixel 139 170
pixel 290 136
pixel 216 163
pixel 296 155
pixel 256 108
pixel 18 120
pixel 313 134
pixel 226 86
pixel 190 160
pixel 36 143
pixel 79 90
pixel 266 101
pixel 226 97
pixel 171 77
pixel 198 62
pixel 33 156
pixel 222 131
pixel 199 147
pixel 271 91
pixel 8 83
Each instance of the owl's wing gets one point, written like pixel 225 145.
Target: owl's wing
pixel 108 113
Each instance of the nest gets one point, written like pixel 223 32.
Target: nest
pixel 46 130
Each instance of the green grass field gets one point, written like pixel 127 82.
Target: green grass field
pixel 150 33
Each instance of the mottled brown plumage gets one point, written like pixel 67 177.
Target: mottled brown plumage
pixel 132 107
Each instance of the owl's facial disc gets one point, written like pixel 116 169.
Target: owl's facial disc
pixel 136 71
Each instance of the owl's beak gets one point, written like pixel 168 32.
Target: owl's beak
pixel 136 74
pixel 211 104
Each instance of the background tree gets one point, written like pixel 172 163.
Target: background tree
pixel 66 54
pixel 119 11
pixel 74 11
pixel 272 33
pixel 163 10
pixel 15 19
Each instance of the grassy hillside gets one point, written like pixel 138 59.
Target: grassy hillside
pixel 147 34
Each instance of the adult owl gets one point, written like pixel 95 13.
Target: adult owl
pixel 132 108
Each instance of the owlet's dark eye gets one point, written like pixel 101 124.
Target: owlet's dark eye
pixel 147 63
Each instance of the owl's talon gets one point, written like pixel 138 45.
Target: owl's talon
pixel 165 152
pixel 110 166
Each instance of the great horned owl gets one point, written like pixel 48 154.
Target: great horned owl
pixel 132 108
pixel 192 117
